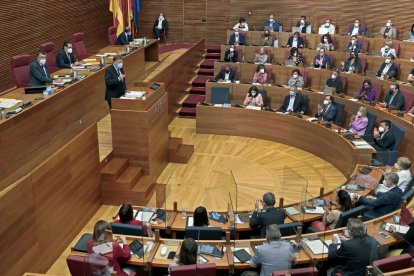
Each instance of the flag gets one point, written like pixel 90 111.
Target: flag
pixel 115 6
pixel 130 12
pixel 136 8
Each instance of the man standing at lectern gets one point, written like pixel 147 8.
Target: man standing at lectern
pixel 115 80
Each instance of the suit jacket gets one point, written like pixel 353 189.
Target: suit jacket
pixel 383 204
pixel 164 24
pixel 392 72
pixel 270 216
pixel 304 27
pixel 327 114
pixel 386 142
pixel 361 30
pixel 242 39
pixel 354 255
pixel 37 76
pixel 325 62
pixel 300 42
pixel 397 102
pixel 357 47
pixel 123 39
pixel 231 59
pixel 335 83
pixel 276 25
pixel 299 105
pixel 222 74
pixel 114 87
pixel 392 31
pixel 62 59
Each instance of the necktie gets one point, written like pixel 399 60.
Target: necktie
pixel 44 70
pixel 69 58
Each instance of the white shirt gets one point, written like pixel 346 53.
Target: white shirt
pixel 160 23
pixel 404 179
pixel 291 102
pixel 239 26
pixel 385 53
pixel 324 30
pixel 355 31
pixel 295 43
pixel 226 76
pixel 236 38
pixel 386 68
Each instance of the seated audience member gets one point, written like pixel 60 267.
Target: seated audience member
pixel 327 111
pixel 119 254
pixel 268 215
pixel 296 79
pixel 330 218
pixel 335 82
pixel 354 254
pixel 383 138
pixel 295 56
pixel 388 31
pixel 187 255
pixel 125 37
pixel 411 111
pixel 410 36
pixel 294 102
pixel 410 77
pixel 241 25
pixel 403 166
pixel 65 57
pixel 356 29
pixel 387 49
pixel 328 28
pixel 303 24
pixel 237 38
pixel 326 43
pixel 388 70
pixel 274 255
pixel 231 54
pixel 271 24
pixel 366 92
pixel 295 41
pixel 266 39
pixel 126 215
pixel 226 74
pixel 321 60
pixel 160 26
pixel 358 123
pixel 352 64
pixel 406 239
pixel 39 72
pixel 354 45
pixel 253 97
pixel 394 99
pixel 385 202
pixel 260 76
pixel 201 216
pixel 261 57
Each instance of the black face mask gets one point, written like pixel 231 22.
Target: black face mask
pixel 227 71
pixel 391 91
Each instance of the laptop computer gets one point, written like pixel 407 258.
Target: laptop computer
pixel 34 89
pixel 296 29
pixel 323 30
pixel 328 90
pixel 376 53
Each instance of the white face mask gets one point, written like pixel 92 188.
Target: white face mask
pixel 356 25
pixel 271 19
pixel 353 41
pixel 295 76
pixel 325 102
pixel 236 33
pixel 388 24
pixel 327 24
pixel 387 47
pixel 325 40
pixel 381 129
pixel 359 114
pixel 302 21
pixel 397 166
pixel 262 52
pixel 161 17
pixel 42 61
pixel 253 93
pixel 295 38
pixel 231 49
pixel 295 54
pixel 69 50
pixel 333 76
pixel 292 93
pixel 387 61
pixel 262 71
pixel 119 65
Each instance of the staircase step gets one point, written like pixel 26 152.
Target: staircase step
pixel 145 185
pixel 207 64
pixel 129 177
pixel 200 81
pixel 183 154
pixel 197 91
pixel 213 47
pixel 214 56
pixel 114 168
pixel 186 112
pixel 174 144
pixel 205 72
pixel 193 100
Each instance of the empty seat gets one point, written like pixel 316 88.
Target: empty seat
pixel 21 69
pixel 79 46
pixel 220 95
pixel 112 35
pixel 50 56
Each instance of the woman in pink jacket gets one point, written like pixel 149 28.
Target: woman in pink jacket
pixel 260 76
pixel 253 97
pixel 359 122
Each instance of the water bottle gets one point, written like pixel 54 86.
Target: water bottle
pixel 74 73
pixel 102 62
pixel 183 213
pixel 145 40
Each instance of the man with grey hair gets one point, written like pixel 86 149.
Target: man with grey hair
pixel 354 254
pixel 294 102
pixel 402 166
pixel 268 215
pixel 385 202
pixel 273 255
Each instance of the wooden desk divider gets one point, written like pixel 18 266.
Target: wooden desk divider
pixel 281 202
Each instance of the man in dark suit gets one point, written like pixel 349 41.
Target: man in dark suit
pixel 303 24
pixel 237 38
pixel 269 214
pixel 295 41
pixel 354 45
pixel 388 70
pixel 386 202
pixel 394 99
pixel 294 102
pixel 226 74
pixel 383 138
pixel 231 55
pixel 115 80
pixel 39 73
pixel 124 38
pixel 327 111
pixel 321 60
pixel 356 29
pixel 65 57
pixel 354 254
pixel 271 24
pixel 160 26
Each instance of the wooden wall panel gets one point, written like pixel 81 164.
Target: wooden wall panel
pixel 224 14
pixel 24 25
pixel 194 20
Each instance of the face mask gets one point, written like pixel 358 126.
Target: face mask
pixel 295 76
pixel 366 86
pixel 295 38
pixel 262 71
pixel 227 71
pixel 161 17
pixel 325 102
pixel 356 25
pixel 351 57
pixel 295 54
pixel 359 114
pixel 302 21
pixel 391 91
pixel 353 41
pixel 231 49
pixel 42 61
pixel 327 24
pixel 292 93
pixel 236 33
pixel 397 166
pixel 119 65
pixel 271 19
pixel 69 50
pixel 253 93
pixel 387 61
pixel 333 76
pixel 321 54
pixel 381 129
pixel 387 47
pixel 261 52
pixel 388 24
pixel 266 35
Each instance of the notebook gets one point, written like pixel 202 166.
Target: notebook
pixel 242 255
pixel 292 211
pixel 316 246
pixel 399 228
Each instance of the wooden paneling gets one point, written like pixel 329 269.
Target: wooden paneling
pixel 24 25
pixel 224 14
pixel 194 20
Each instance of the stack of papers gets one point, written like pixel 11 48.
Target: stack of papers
pixel 103 249
pixel 8 103
pixel 312 119
pixel 292 211
pixel 226 105
pixel 398 228
pixel 316 246
pixel 218 105
pixel 253 107
pixel 190 221
pixel 133 95
pixel 145 216
pixel 362 145
pixel 314 210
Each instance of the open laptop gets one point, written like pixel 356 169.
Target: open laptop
pixel 323 30
pixel 328 90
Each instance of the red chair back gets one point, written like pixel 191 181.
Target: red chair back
pixel 332 62
pixel 112 35
pixel 307 271
pixel 344 81
pixel 363 65
pixel 305 77
pixel 79 46
pixel 365 44
pixel 239 50
pixel 399 70
pixel 408 100
pixel 208 269
pixel 83 265
pixel 50 56
pixel 21 69
pixel 378 91
pixel 393 263
pixel 269 72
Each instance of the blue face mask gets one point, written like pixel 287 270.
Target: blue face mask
pixel 120 65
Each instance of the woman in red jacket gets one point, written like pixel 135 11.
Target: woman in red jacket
pixel 126 215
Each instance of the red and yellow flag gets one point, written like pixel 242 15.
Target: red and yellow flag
pixel 115 6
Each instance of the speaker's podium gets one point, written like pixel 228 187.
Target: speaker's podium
pixel 142 146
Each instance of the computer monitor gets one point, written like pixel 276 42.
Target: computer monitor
pixel 203 233
pixel 127 229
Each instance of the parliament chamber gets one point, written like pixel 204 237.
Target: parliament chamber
pixel 152 149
